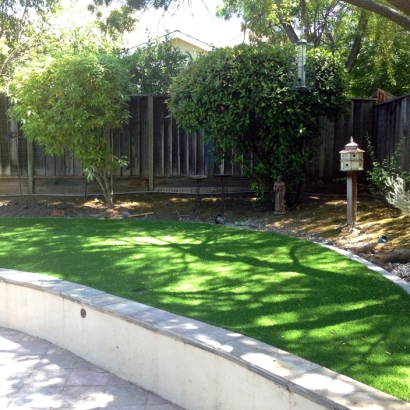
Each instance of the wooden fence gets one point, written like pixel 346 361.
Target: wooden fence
pixel 162 157
pixel 391 129
pixel 335 135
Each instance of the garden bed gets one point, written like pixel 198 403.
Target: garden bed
pixel 321 217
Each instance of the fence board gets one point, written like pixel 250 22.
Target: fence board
pixel 192 144
pixel 183 153
pixel 177 154
pixel 175 151
pixel 143 137
pixel 159 137
pixel 39 160
pixel 49 164
pixel 134 132
pixel 210 167
pixel 391 125
pixel 115 142
pixel 14 146
pixel 22 156
pixel 126 151
pixel 4 149
pixel 327 158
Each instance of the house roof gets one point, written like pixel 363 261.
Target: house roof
pixel 183 41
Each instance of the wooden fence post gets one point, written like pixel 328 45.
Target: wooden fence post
pixel 30 166
pixel 351 198
pixel 150 142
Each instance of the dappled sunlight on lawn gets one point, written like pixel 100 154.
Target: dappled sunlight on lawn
pixel 287 292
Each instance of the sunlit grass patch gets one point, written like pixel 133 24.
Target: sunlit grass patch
pixel 287 292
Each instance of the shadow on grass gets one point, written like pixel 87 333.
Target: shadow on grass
pixel 287 292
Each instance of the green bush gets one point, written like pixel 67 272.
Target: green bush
pixel 245 100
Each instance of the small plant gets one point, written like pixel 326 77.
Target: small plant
pixel 382 173
pixel 398 196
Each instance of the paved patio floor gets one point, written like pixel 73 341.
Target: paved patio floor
pixel 36 374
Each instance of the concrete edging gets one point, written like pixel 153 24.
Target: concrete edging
pixel 191 363
pixel 395 279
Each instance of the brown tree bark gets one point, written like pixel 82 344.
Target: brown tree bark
pixel 401 5
pixel 288 28
pixel 357 44
pixel 396 16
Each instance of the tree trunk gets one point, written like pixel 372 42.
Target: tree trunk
pixel 357 44
pixel 288 28
pixel 402 5
pixel 385 11
pixel 305 20
pixel 105 185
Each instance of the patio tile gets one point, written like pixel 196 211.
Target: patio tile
pixel 37 398
pixel 88 377
pixel 130 395
pixel 115 380
pixel 84 397
pixel 24 347
pixel 154 399
pixel 41 378
pixel 65 360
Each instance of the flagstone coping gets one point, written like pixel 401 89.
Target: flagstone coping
pixel 302 377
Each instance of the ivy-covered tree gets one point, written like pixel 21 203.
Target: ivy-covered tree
pixel 243 100
pixel 74 100
pixel 152 67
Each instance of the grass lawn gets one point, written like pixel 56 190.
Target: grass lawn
pixel 284 291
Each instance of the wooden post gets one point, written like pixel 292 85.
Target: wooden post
pixel 150 142
pixel 30 166
pixel 351 198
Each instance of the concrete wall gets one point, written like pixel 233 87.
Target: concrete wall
pixel 190 363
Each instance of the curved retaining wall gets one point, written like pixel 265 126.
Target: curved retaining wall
pixel 192 364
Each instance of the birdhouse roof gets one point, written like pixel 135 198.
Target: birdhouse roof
pixel 351 147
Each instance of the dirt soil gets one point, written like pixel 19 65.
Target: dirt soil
pixel 381 235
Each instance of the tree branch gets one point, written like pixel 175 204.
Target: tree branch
pixel 402 5
pixel 357 44
pixel 289 30
pixel 385 11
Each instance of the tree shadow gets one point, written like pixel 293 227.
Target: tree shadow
pixel 287 292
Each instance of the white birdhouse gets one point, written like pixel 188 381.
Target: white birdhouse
pixel 351 157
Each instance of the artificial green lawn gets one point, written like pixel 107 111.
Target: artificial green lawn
pixel 287 292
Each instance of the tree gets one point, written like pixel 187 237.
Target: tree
pixel 397 11
pixel 121 19
pixel 338 26
pixel 323 23
pixel 20 20
pixel 383 60
pixel 73 100
pixel 153 66
pixel 243 100
pixel 399 14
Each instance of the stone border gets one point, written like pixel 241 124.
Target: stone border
pixel 395 279
pixel 191 363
